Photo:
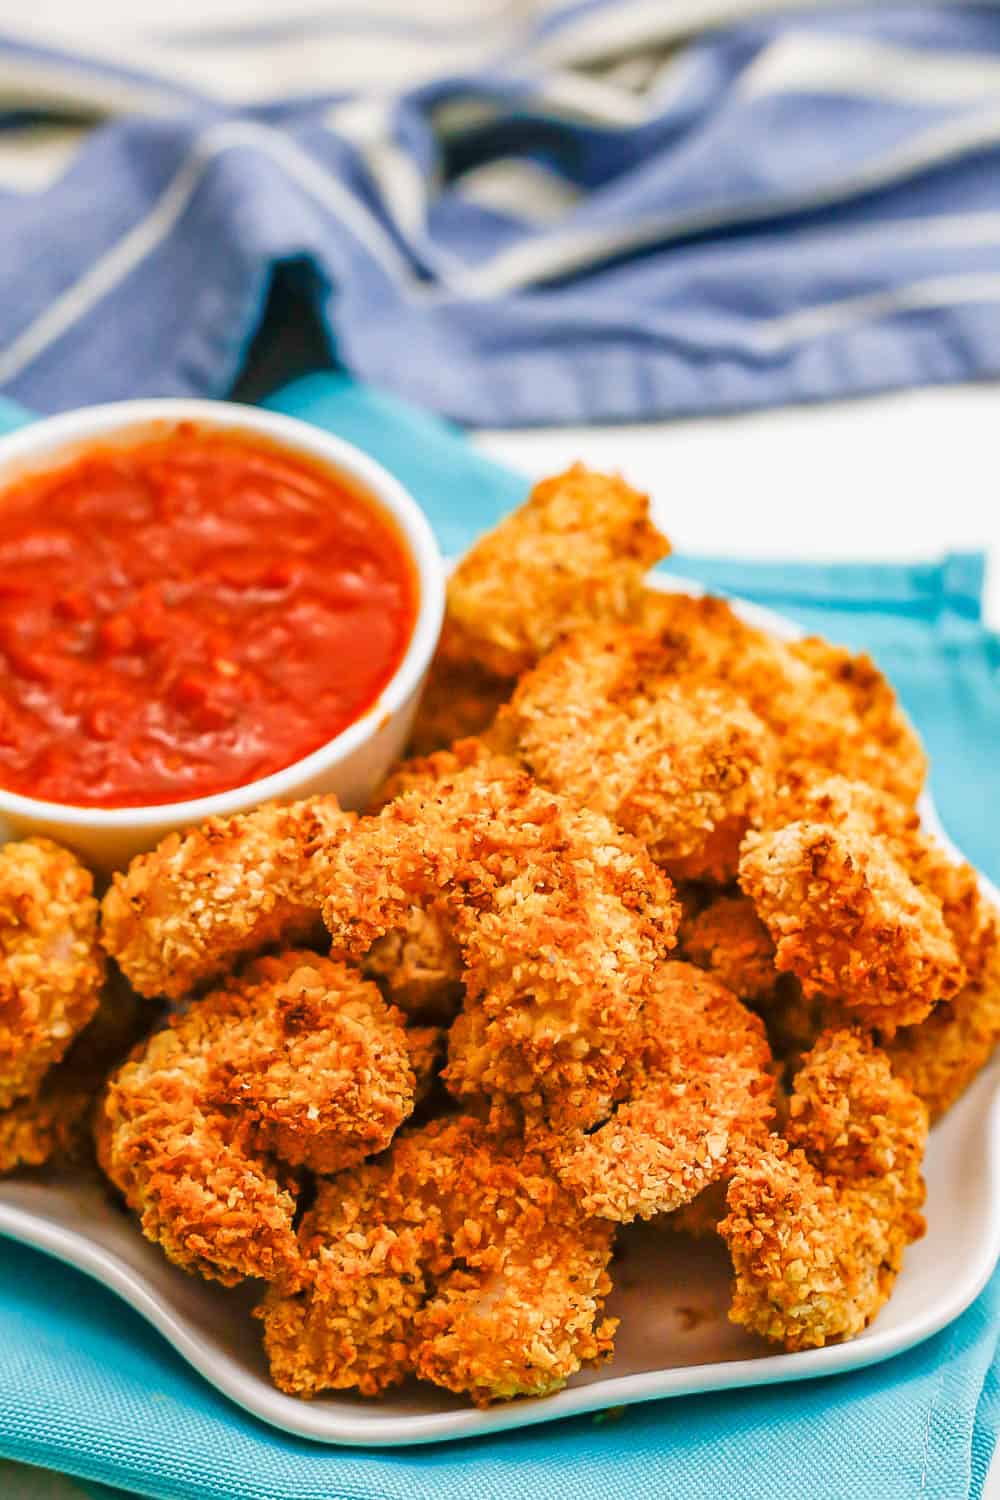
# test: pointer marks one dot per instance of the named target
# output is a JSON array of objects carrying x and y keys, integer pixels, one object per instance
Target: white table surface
[{"x": 902, "y": 476}]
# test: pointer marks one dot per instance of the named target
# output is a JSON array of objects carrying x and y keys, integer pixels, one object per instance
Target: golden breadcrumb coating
[
  {"x": 54, "y": 1125},
  {"x": 421, "y": 773},
  {"x": 690, "y": 1100},
  {"x": 882, "y": 748},
  {"x": 298, "y": 1061},
  {"x": 848, "y": 922},
  {"x": 683, "y": 765},
  {"x": 825, "y": 706},
  {"x": 425, "y": 1049},
  {"x": 728, "y": 939},
  {"x": 575, "y": 551},
  {"x": 459, "y": 699},
  {"x": 941, "y": 1054},
  {"x": 940, "y": 1057},
  {"x": 455, "y": 1257},
  {"x": 186, "y": 912},
  {"x": 419, "y": 964},
  {"x": 561, "y": 919},
  {"x": 702, "y": 1216},
  {"x": 818, "y": 798},
  {"x": 51, "y": 966},
  {"x": 818, "y": 1223}
]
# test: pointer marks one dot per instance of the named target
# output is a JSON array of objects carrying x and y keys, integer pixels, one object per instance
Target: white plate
[{"x": 671, "y": 1294}]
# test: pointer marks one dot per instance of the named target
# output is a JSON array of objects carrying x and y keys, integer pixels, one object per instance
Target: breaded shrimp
[
  {"x": 421, "y": 773},
  {"x": 456, "y": 1257},
  {"x": 728, "y": 939},
  {"x": 941, "y": 1054},
  {"x": 299, "y": 1062},
  {"x": 815, "y": 797},
  {"x": 575, "y": 551},
  {"x": 54, "y": 1124},
  {"x": 689, "y": 773},
  {"x": 684, "y": 766},
  {"x": 184, "y": 914},
  {"x": 881, "y": 746},
  {"x": 51, "y": 966},
  {"x": 818, "y": 1222},
  {"x": 419, "y": 963},
  {"x": 826, "y": 707},
  {"x": 940, "y": 1057},
  {"x": 561, "y": 920},
  {"x": 849, "y": 923},
  {"x": 459, "y": 699},
  {"x": 690, "y": 1101}
]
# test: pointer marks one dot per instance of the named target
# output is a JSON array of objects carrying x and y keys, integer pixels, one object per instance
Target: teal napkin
[{"x": 88, "y": 1388}]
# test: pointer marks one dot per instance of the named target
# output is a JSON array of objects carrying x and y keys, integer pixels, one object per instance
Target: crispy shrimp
[
  {"x": 848, "y": 922},
  {"x": 826, "y": 707},
  {"x": 560, "y": 917},
  {"x": 728, "y": 939},
  {"x": 299, "y": 1062},
  {"x": 940, "y": 1057},
  {"x": 942, "y": 1052},
  {"x": 460, "y": 699},
  {"x": 690, "y": 1101},
  {"x": 880, "y": 745},
  {"x": 422, "y": 773},
  {"x": 54, "y": 1124},
  {"x": 576, "y": 551},
  {"x": 456, "y": 1257},
  {"x": 419, "y": 963},
  {"x": 51, "y": 967},
  {"x": 953, "y": 884},
  {"x": 682, "y": 764},
  {"x": 183, "y": 914},
  {"x": 818, "y": 1222}
]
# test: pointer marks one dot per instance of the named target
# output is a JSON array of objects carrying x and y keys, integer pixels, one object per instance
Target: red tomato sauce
[{"x": 188, "y": 615}]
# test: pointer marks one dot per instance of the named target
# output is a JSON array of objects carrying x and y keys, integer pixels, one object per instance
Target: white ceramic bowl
[{"x": 351, "y": 764}]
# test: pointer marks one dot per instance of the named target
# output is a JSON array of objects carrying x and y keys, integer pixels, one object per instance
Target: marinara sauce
[{"x": 187, "y": 615}]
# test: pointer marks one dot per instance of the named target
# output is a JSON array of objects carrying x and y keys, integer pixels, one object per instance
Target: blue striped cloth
[{"x": 598, "y": 213}]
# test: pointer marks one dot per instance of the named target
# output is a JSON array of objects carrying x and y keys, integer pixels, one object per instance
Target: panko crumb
[
  {"x": 849, "y": 923},
  {"x": 683, "y": 764},
  {"x": 818, "y": 1221},
  {"x": 456, "y": 1257},
  {"x": 54, "y": 1124},
  {"x": 577, "y": 550},
  {"x": 560, "y": 917},
  {"x": 459, "y": 700},
  {"x": 728, "y": 939},
  {"x": 298, "y": 1062},
  {"x": 51, "y": 965},
  {"x": 698, "y": 1091},
  {"x": 185, "y": 913},
  {"x": 827, "y": 708}
]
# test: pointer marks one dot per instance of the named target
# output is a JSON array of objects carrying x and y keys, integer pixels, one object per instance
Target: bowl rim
[{"x": 69, "y": 430}]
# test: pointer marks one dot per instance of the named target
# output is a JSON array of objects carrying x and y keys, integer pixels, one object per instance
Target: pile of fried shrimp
[{"x": 645, "y": 927}]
